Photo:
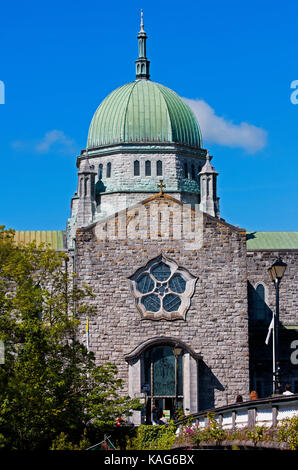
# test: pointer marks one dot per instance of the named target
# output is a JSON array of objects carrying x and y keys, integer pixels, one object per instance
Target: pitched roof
[
  {"x": 51, "y": 238},
  {"x": 272, "y": 240}
]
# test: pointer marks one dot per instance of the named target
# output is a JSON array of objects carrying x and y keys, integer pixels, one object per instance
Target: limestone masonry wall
[
  {"x": 216, "y": 324},
  {"x": 258, "y": 263}
]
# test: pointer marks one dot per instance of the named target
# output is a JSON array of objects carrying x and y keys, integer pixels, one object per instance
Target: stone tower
[{"x": 141, "y": 133}]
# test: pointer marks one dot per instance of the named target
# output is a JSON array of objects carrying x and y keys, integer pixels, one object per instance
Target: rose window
[{"x": 162, "y": 289}]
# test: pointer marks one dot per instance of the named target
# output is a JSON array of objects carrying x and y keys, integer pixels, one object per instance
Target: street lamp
[
  {"x": 177, "y": 351},
  {"x": 276, "y": 272}
]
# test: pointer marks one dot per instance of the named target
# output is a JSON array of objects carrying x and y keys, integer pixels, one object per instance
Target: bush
[
  {"x": 61, "y": 442},
  {"x": 153, "y": 437},
  {"x": 288, "y": 432}
]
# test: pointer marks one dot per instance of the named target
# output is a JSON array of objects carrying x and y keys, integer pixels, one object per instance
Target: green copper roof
[
  {"x": 52, "y": 238},
  {"x": 272, "y": 240},
  {"x": 143, "y": 111}
]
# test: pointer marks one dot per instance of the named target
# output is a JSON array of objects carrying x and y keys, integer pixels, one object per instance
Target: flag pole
[{"x": 87, "y": 334}]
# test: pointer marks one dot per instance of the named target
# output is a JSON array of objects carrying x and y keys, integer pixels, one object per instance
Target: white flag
[{"x": 269, "y": 330}]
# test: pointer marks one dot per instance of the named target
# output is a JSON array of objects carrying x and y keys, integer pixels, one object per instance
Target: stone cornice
[{"x": 141, "y": 147}]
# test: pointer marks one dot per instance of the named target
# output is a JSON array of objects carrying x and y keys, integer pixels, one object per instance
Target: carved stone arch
[{"x": 158, "y": 340}]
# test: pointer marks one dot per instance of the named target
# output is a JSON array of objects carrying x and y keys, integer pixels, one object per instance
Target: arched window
[
  {"x": 136, "y": 168},
  {"x": 100, "y": 169},
  {"x": 147, "y": 168},
  {"x": 258, "y": 309},
  {"x": 185, "y": 170},
  {"x": 260, "y": 306},
  {"x": 159, "y": 168},
  {"x": 109, "y": 168},
  {"x": 193, "y": 172},
  {"x": 86, "y": 186}
]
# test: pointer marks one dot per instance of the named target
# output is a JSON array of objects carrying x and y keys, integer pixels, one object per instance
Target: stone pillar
[
  {"x": 190, "y": 383},
  {"x": 134, "y": 386}
]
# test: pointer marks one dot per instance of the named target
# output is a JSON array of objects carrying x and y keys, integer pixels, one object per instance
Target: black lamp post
[
  {"x": 177, "y": 351},
  {"x": 276, "y": 272}
]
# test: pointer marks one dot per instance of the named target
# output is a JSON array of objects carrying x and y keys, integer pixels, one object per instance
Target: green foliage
[
  {"x": 213, "y": 432},
  {"x": 61, "y": 442},
  {"x": 154, "y": 437},
  {"x": 288, "y": 432},
  {"x": 49, "y": 384},
  {"x": 257, "y": 434}
]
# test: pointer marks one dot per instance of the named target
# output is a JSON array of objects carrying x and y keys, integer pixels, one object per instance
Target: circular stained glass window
[
  {"x": 145, "y": 284},
  {"x": 161, "y": 272},
  {"x": 177, "y": 284},
  {"x": 162, "y": 289},
  {"x": 171, "y": 302},
  {"x": 151, "y": 302}
]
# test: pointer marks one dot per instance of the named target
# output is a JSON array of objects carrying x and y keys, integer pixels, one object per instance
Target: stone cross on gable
[{"x": 161, "y": 186}]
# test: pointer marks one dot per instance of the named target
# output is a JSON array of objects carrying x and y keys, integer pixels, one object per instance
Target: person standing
[{"x": 288, "y": 390}]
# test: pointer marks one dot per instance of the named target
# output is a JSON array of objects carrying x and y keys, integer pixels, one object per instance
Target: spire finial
[
  {"x": 142, "y": 22},
  {"x": 142, "y": 64}
]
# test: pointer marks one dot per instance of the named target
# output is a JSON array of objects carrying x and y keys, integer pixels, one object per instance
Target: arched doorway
[
  {"x": 163, "y": 381},
  {"x": 163, "y": 371}
]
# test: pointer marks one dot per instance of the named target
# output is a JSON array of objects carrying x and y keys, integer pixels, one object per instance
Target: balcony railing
[{"x": 266, "y": 411}]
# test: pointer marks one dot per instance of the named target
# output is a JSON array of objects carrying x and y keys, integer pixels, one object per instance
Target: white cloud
[
  {"x": 218, "y": 130},
  {"x": 55, "y": 140}
]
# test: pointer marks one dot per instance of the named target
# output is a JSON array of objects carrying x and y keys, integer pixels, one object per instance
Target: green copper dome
[{"x": 143, "y": 111}]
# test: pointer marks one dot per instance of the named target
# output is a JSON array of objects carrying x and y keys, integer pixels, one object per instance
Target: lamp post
[
  {"x": 177, "y": 351},
  {"x": 276, "y": 272}
]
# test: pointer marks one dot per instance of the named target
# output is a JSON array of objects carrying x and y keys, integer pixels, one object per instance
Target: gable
[{"x": 161, "y": 217}]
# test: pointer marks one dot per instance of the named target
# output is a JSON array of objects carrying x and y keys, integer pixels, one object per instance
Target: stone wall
[
  {"x": 216, "y": 324},
  {"x": 261, "y": 354},
  {"x": 122, "y": 172},
  {"x": 258, "y": 263}
]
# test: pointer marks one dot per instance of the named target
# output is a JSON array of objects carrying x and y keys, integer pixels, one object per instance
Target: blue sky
[{"x": 234, "y": 60}]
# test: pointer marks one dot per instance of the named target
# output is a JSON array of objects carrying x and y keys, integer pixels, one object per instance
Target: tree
[{"x": 49, "y": 383}]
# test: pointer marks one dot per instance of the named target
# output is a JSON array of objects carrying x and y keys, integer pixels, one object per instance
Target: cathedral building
[{"x": 183, "y": 299}]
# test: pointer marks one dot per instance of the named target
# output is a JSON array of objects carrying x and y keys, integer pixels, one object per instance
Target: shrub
[
  {"x": 154, "y": 437},
  {"x": 62, "y": 442},
  {"x": 288, "y": 432}
]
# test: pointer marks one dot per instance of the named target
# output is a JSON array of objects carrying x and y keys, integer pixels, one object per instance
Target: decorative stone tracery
[{"x": 162, "y": 289}]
